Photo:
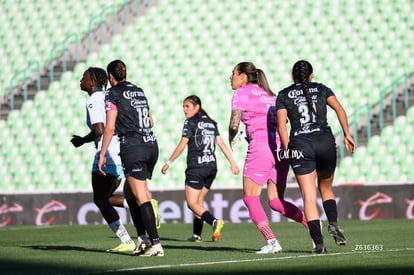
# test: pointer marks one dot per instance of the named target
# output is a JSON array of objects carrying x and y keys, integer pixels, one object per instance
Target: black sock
[
  {"x": 136, "y": 216},
  {"x": 315, "y": 231},
  {"x": 208, "y": 218},
  {"x": 148, "y": 218},
  {"x": 331, "y": 211},
  {"x": 197, "y": 226}
]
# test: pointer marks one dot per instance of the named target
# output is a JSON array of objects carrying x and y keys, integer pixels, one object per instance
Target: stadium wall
[{"x": 354, "y": 202}]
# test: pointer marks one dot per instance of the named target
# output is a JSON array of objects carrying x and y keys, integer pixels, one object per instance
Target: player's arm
[
  {"x": 333, "y": 102},
  {"x": 79, "y": 141},
  {"x": 98, "y": 130},
  {"x": 177, "y": 152},
  {"x": 107, "y": 137},
  {"x": 235, "y": 119},
  {"x": 282, "y": 128},
  {"x": 151, "y": 119},
  {"x": 234, "y": 167}
]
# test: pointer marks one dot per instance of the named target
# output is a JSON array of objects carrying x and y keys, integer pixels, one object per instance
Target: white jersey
[{"x": 95, "y": 113}]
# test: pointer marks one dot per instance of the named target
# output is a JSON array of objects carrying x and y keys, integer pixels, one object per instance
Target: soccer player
[
  {"x": 253, "y": 103},
  {"x": 311, "y": 145},
  {"x": 200, "y": 133},
  {"x": 128, "y": 114},
  {"x": 94, "y": 82}
]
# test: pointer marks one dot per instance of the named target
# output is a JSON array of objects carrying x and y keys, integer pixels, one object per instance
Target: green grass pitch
[{"x": 374, "y": 247}]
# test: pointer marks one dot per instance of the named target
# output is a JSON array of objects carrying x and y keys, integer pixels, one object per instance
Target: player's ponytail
[
  {"x": 301, "y": 72},
  {"x": 254, "y": 75},
  {"x": 117, "y": 69}
]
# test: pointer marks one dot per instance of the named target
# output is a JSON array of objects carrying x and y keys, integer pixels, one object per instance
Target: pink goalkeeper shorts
[{"x": 260, "y": 165}]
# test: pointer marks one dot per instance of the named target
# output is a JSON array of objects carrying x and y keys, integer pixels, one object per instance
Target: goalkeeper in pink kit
[{"x": 254, "y": 104}]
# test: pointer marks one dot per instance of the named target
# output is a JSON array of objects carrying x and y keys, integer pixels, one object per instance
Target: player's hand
[
  {"x": 235, "y": 169},
  {"x": 349, "y": 143},
  {"x": 165, "y": 168},
  {"x": 77, "y": 140},
  {"x": 102, "y": 163}
]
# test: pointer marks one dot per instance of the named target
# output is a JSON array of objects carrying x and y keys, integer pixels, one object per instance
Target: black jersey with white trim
[
  {"x": 303, "y": 119},
  {"x": 202, "y": 133},
  {"x": 133, "y": 119}
]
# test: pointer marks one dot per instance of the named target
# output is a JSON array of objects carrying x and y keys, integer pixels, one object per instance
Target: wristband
[{"x": 168, "y": 163}]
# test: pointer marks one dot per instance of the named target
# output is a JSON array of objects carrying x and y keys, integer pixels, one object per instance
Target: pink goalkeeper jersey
[{"x": 259, "y": 112}]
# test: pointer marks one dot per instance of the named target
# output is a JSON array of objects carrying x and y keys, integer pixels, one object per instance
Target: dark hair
[
  {"x": 254, "y": 75},
  {"x": 117, "y": 69},
  {"x": 98, "y": 75},
  {"x": 197, "y": 101},
  {"x": 301, "y": 72}
]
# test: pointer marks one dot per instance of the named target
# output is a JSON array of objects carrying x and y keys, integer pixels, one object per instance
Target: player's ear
[{"x": 243, "y": 77}]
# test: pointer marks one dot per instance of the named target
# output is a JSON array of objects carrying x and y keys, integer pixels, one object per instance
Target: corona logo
[
  {"x": 409, "y": 213},
  {"x": 4, "y": 209},
  {"x": 52, "y": 206},
  {"x": 377, "y": 199}
]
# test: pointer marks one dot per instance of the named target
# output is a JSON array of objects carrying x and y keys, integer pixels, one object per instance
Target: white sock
[
  {"x": 121, "y": 232},
  {"x": 272, "y": 241}
]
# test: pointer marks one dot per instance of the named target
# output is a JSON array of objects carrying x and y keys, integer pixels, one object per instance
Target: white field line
[{"x": 252, "y": 260}]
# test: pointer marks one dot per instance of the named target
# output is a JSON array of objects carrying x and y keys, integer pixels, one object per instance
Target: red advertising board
[{"x": 354, "y": 202}]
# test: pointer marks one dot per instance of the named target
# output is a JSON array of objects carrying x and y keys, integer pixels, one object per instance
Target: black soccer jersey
[
  {"x": 303, "y": 119},
  {"x": 201, "y": 132},
  {"x": 133, "y": 118}
]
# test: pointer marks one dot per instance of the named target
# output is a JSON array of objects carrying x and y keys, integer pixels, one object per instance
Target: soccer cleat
[
  {"x": 270, "y": 248},
  {"x": 122, "y": 248},
  {"x": 142, "y": 244},
  {"x": 337, "y": 234},
  {"x": 320, "y": 249},
  {"x": 154, "y": 204},
  {"x": 155, "y": 250},
  {"x": 217, "y": 226},
  {"x": 194, "y": 238}
]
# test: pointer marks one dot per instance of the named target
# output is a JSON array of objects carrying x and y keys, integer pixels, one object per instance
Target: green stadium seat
[
  {"x": 373, "y": 173},
  {"x": 410, "y": 115},
  {"x": 49, "y": 29},
  {"x": 183, "y": 47}
]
